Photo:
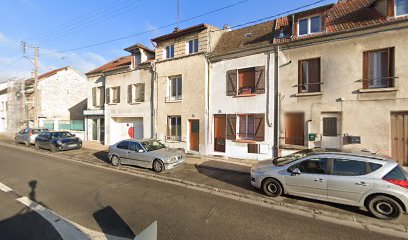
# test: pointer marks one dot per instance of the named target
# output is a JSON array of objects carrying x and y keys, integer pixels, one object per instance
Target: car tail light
[
  {"x": 401, "y": 183},
  {"x": 31, "y": 132}
]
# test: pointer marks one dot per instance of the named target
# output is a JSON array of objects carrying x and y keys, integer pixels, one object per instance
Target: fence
[{"x": 70, "y": 125}]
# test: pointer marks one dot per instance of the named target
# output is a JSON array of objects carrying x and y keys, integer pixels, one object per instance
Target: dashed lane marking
[{"x": 4, "y": 188}]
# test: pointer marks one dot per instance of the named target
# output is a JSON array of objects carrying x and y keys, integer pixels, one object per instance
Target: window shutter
[
  {"x": 142, "y": 92},
  {"x": 259, "y": 127},
  {"x": 391, "y": 68},
  {"x": 366, "y": 69},
  {"x": 231, "y": 127},
  {"x": 260, "y": 80},
  {"x": 118, "y": 95},
  {"x": 314, "y": 75},
  {"x": 94, "y": 96},
  {"x": 130, "y": 98},
  {"x": 390, "y": 8},
  {"x": 323, "y": 24},
  {"x": 101, "y": 96},
  {"x": 107, "y": 95},
  {"x": 232, "y": 82},
  {"x": 300, "y": 76}
]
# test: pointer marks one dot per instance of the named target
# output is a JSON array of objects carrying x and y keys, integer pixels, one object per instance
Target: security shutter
[
  {"x": 94, "y": 96},
  {"x": 107, "y": 95},
  {"x": 259, "y": 127},
  {"x": 231, "y": 127},
  {"x": 232, "y": 83},
  {"x": 130, "y": 94},
  {"x": 260, "y": 80}
]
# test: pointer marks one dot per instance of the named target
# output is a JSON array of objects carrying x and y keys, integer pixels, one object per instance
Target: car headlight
[{"x": 59, "y": 142}]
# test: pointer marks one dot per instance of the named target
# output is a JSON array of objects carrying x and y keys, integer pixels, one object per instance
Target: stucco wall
[
  {"x": 220, "y": 103},
  {"x": 362, "y": 114},
  {"x": 3, "y": 107}
]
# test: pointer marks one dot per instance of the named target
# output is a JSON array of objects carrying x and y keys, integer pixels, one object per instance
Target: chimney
[
  {"x": 176, "y": 29},
  {"x": 227, "y": 28}
]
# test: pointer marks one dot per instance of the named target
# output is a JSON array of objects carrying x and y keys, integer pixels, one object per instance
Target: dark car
[{"x": 57, "y": 141}]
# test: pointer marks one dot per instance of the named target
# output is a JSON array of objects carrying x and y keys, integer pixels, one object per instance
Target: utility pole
[
  {"x": 24, "y": 45},
  {"x": 178, "y": 13}
]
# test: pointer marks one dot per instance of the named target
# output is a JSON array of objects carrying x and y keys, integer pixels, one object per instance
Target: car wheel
[
  {"x": 54, "y": 148},
  {"x": 384, "y": 207},
  {"x": 36, "y": 145},
  {"x": 27, "y": 143},
  {"x": 272, "y": 188},
  {"x": 115, "y": 160},
  {"x": 158, "y": 166}
]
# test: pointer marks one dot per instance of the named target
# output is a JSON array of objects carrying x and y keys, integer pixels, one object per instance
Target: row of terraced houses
[{"x": 335, "y": 76}]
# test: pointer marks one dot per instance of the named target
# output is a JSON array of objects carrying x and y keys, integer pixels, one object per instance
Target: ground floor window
[
  {"x": 174, "y": 128},
  {"x": 251, "y": 127}
]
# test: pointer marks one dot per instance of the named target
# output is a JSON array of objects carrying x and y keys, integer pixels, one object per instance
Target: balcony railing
[
  {"x": 382, "y": 82},
  {"x": 174, "y": 98}
]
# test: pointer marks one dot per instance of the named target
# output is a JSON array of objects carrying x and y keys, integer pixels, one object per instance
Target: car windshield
[
  {"x": 282, "y": 161},
  {"x": 152, "y": 145},
  {"x": 61, "y": 134}
]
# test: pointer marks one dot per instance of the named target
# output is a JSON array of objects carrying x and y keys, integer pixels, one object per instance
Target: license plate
[{"x": 72, "y": 145}]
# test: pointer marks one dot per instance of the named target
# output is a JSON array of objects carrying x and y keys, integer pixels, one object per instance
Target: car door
[
  {"x": 312, "y": 180},
  {"x": 45, "y": 141},
  {"x": 138, "y": 156},
  {"x": 348, "y": 182},
  {"x": 122, "y": 150},
  {"x": 19, "y": 136}
]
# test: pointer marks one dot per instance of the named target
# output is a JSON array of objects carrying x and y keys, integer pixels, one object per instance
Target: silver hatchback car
[
  {"x": 377, "y": 184},
  {"x": 145, "y": 153},
  {"x": 28, "y": 135}
]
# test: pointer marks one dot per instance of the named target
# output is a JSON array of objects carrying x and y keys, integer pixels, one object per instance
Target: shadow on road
[
  {"x": 102, "y": 155},
  {"x": 112, "y": 224}
]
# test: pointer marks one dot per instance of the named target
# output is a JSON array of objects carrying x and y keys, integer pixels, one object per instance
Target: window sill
[
  {"x": 112, "y": 104},
  {"x": 173, "y": 101},
  {"x": 373, "y": 90},
  {"x": 245, "y": 95},
  {"x": 245, "y": 141},
  {"x": 308, "y": 94},
  {"x": 173, "y": 141},
  {"x": 294, "y": 147},
  {"x": 135, "y": 103}
]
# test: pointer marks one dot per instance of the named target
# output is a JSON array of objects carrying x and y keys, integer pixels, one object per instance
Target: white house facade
[{"x": 3, "y": 107}]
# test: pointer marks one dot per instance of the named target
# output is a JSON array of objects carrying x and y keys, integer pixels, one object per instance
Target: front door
[
  {"x": 220, "y": 124},
  {"x": 331, "y": 130},
  {"x": 295, "y": 129},
  {"x": 194, "y": 135},
  {"x": 399, "y": 137}
]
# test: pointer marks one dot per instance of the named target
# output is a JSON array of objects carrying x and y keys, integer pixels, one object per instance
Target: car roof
[
  {"x": 350, "y": 152},
  {"x": 140, "y": 140}
]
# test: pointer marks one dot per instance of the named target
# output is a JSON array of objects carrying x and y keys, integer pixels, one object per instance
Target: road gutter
[{"x": 327, "y": 216}]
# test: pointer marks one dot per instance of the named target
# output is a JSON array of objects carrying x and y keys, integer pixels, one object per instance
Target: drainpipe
[
  {"x": 207, "y": 110},
  {"x": 276, "y": 100},
  {"x": 152, "y": 113}
]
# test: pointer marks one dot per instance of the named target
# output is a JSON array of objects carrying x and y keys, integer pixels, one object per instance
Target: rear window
[
  {"x": 123, "y": 145},
  {"x": 397, "y": 174}
]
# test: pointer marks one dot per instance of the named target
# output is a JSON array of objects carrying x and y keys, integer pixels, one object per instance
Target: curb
[{"x": 342, "y": 219}]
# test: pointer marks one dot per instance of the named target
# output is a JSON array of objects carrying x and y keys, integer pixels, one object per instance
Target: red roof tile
[
  {"x": 112, "y": 65},
  {"x": 178, "y": 32}
]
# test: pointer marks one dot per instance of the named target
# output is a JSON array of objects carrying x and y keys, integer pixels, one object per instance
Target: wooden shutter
[
  {"x": 314, "y": 75},
  {"x": 101, "y": 96},
  {"x": 300, "y": 76},
  {"x": 259, "y": 127},
  {"x": 94, "y": 96},
  {"x": 366, "y": 69},
  {"x": 107, "y": 95},
  {"x": 232, "y": 82},
  {"x": 118, "y": 95},
  {"x": 260, "y": 80},
  {"x": 130, "y": 97},
  {"x": 391, "y": 67},
  {"x": 142, "y": 92},
  {"x": 231, "y": 127},
  {"x": 390, "y": 8}
]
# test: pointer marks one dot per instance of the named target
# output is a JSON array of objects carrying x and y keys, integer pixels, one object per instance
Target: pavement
[{"x": 118, "y": 203}]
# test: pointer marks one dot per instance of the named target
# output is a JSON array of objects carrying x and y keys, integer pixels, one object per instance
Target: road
[{"x": 122, "y": 205}]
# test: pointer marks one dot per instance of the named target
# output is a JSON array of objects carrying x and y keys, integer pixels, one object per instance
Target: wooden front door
[
  {"x": 295, "y": 129},
  {"x": 194, "y": 135},
  {"x": 220, "y": 131},
  {"x": 399, "y": 137}
]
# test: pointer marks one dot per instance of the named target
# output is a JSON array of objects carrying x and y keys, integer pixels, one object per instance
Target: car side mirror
[
  {"x": 141, "y": 151},
  {"x": 73, "y": 135},
  {"x": 295, "y": 172}
]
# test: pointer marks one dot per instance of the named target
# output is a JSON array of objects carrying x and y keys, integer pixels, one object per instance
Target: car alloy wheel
[
  {"x": 36, "y": 145},
  {"x": 158, "y": 166},
  {"x": 384, "y": 207},
  {"x": 272, "y": 187},
  {"x": 115, "y": 160}
]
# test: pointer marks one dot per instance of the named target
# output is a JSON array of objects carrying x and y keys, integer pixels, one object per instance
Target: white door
[
  {"x": 331, "y": 130},
  {"x": 138, "y": 128}
]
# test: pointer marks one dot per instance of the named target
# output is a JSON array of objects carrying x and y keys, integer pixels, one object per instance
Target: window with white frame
[
  {"x": 170, "y": 52},
  {"x": 136, "y": 93},
  {"x": 115, "y": 95},
  {"x": 175, "y": 88},
  {"x": 401, "y": 7},
  {"x": 309, "y": 25},
  {"x": 174, "y": 128},
  {"x": 193, "y": 46}
]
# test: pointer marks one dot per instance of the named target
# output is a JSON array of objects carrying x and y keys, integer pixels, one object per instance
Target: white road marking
[
  {"x": 4, "y": 188},
  {"x": 70, "y": 230}
]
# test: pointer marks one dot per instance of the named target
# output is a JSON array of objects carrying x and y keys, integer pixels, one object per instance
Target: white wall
[{"x": 3, "y": 104}]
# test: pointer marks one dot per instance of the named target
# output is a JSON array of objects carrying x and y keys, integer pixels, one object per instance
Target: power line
[
  {"x": 10, "y": 64},
  {"x": 152, "y": 30}
]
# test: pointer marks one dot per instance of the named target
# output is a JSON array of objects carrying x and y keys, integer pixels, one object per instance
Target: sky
[{"x": 56, "y": 26}]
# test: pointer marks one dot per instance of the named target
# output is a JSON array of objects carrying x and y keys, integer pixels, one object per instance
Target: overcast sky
[{"x": 66, "y": 24}]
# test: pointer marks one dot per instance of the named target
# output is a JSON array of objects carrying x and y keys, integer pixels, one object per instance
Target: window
[
  {"x": 310, "y": 25},
  {"x": 123, "y": 145},
  {"x": 193, "y": 46},
  {"x": 134, "y": 146},
  {"x": 174, "y": 128},
  {"x": 170, "y": 52},
  {"x": 309, "y": 76},
  {"x": 294, "y": 129},
  {"x": 136, "y": 93},
  {"x": 252, "y": 127},
  {"x": 330, "y": 127},
  {"x": 98, "y": 95},
  {"x": 246, "y": 81},
  {"x": 312, "y": 166},
  {"x": 175, "y": 88},
  {"x": 401, "y": 7},
  {"x": 378, "y": 68},
  {"x": 397, "y": 174},
  {"x": 116, "y": 95},
  {"x": 343, "y": 167}
]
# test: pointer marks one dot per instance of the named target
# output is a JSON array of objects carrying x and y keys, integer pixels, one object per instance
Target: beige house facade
[{"x": 181, "y": 86}]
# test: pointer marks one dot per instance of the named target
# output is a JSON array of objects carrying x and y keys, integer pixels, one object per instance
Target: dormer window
[
  {"x": 401, "y": 7},
  {"x": 310, "y": 25},
  {"x": 170, "y": 52}
]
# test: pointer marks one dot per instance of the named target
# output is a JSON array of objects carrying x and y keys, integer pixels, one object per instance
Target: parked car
[
  {"x": 57, "y": 141},
  {"x": 375, "y": 183},
  {"x": 145, "y": 153},
  {"x": 28, "y": 135}
]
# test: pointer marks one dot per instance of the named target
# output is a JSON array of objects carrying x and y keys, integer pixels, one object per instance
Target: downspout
[
  {"x": 152, "y": 113},
  {"x": 154, "y": 110},
  {"x": 276, "y": 104},
  {"x": 207, "y": 111}
]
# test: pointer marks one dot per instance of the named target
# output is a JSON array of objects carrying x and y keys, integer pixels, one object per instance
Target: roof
[
  {"x": 47, "y": 75},
  {"x": 177, "y": 32},
  {"x": 139, "y": 45},
  {"x": 254, "y": 36},
  {"x": 118, "y": 63}
]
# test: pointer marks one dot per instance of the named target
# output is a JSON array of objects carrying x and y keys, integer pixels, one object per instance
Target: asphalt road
[{"x": 123, "y": 205}]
